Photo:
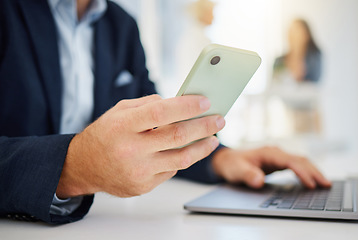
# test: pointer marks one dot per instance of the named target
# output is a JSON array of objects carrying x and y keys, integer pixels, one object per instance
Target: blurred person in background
[
  {"x": 302, "y": 62},
  {"x": 295, "y": 78}
]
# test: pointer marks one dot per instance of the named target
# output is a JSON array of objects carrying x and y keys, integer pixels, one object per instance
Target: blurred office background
[{"x": 174, "y": 31}]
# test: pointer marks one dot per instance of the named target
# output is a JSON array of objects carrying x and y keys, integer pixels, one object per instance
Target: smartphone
[{"x": 221, "y": 74}]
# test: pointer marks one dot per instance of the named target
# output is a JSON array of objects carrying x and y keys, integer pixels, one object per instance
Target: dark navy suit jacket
[{"x": 32, "y": 153}]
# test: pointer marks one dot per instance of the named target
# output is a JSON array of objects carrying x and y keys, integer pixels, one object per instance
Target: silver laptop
[{"x": 290, "y": 200}]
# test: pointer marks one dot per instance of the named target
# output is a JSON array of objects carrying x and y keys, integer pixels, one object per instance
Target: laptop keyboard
[{"x": 299, "y": 198}]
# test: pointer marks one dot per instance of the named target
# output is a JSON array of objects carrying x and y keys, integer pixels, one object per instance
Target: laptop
[{"x": 282, "y": 200}]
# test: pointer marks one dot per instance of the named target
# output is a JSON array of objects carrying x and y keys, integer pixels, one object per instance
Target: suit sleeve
[{"x": 30, "y": 169}]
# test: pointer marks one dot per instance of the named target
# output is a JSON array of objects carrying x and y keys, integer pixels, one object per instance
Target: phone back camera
[{"x": 215, "y": 60}]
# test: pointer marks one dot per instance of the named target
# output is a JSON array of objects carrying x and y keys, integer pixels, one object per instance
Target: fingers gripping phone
[{"x": 220, "y": 74}]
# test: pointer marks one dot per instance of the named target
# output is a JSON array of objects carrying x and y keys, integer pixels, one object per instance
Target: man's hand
[
  {"x": 134, "y": 146},
  {"x": 250, "y": 167}
]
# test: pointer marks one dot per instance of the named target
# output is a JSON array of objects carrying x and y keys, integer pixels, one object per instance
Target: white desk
[{"x": 160, "y": 215}]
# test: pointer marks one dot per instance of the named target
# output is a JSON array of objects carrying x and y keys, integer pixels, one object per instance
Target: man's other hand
[{"x": 250, "y": 167}]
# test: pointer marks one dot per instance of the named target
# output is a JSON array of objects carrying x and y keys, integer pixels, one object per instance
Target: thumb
[{"x": 252, "y": 175}]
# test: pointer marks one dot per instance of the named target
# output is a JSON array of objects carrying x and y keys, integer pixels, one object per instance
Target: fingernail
[
  {"x": 220, "y": 122},
  {"x": 204, "y": 104}
]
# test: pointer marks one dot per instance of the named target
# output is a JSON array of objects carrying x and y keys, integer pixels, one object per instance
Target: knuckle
[
  {"x": 179, "y": 135},
  {"x": 275, "y": 149},
  {"x": 192, "y": 108},
  {"x": 157, "y": 113},
  {"x": 271, "y": 149},
  {"x": 206, "y": 125},
  {"x": 156, "y": 97},
  {"x": 264, "y": 149},
  {"x": 120, "y": 104},
  {"x": 123, "y": 102},
  {"x": 302, "y": 160}
]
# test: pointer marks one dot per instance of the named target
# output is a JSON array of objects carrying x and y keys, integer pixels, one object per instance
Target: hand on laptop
[{"x": 250, "y": 167}]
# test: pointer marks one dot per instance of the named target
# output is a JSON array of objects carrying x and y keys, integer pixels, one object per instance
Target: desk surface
[{"x": 160, "y": 215}]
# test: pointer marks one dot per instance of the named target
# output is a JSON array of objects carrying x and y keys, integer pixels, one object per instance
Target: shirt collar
[{"x": 95, "y": 11}]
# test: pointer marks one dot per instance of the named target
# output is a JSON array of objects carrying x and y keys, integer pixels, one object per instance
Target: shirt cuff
[{"x": 64, "y": 207}]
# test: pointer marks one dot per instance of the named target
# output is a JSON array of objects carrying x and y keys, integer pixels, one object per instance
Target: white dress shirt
[{"x": 76, "y": 47}]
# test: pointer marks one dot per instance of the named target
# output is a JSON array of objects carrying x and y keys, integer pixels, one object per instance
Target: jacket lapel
[
  {"x": 103, "y": 66},
  {"x": 43, "y": 34}
]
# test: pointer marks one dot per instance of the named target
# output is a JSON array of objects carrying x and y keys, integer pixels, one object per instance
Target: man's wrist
[
  {"x": 217, "y": 160},
  {"x": 73, "y": 181}
]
